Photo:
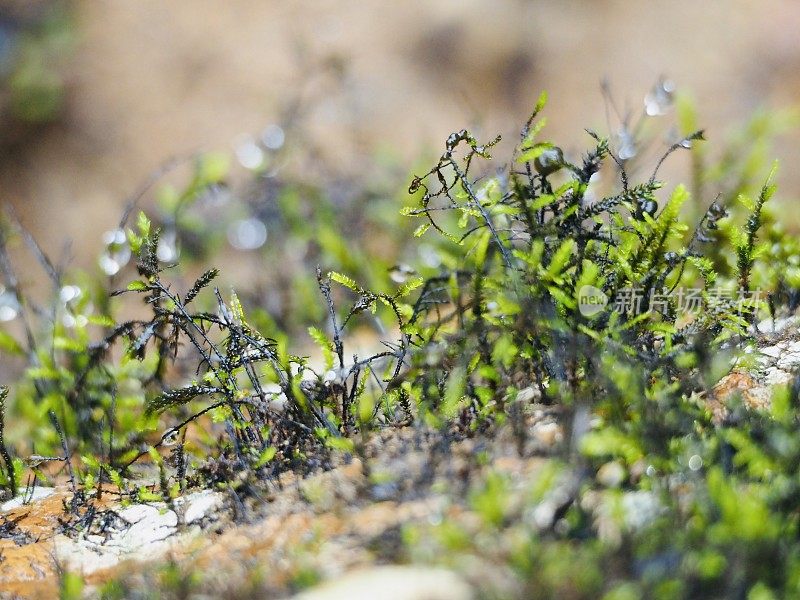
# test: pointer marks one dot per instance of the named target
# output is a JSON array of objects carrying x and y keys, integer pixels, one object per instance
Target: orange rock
[{"x": 738, "y": 383}]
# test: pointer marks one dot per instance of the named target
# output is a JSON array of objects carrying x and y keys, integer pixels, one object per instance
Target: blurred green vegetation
[
  {"x": 35, "y": 41},
  {"x": 475, "y": 289}
]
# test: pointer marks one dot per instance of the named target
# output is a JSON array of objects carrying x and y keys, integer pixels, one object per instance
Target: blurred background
[{"x": 100, "y": 97}]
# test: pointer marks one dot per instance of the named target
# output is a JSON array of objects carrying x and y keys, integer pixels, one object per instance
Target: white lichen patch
[
  {"x": 770, "y": 327},
  {"x": 143, "y": 532},
  {"x": 777, "y": 361},
  {"x": 26, "y": 497}
]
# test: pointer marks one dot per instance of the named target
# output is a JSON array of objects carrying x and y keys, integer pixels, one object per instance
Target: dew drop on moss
[
  {"x": 117, "y": 253},
  {"x": 273, "y": 137},
  {"x": 249, "y": 153},
  {"x": 660, "y": 98},
  {"x": 167, "y": 250},
  {"x": 627, "y": 145},
  {"x": 247, "y": 234},
  {"x": 9, "y": 306},
  {"x": 400, "y": 273},
  {"x": 68, "y": 293}
]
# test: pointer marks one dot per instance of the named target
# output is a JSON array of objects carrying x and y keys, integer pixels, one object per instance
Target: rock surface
[
  {"x": 393, "y": 583},
  {"x": 334, "y": 527},
  {"x": 36, "y": 542}
]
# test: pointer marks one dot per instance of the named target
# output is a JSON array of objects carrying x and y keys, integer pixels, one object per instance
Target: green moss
[{"x": 526, "y": 276}]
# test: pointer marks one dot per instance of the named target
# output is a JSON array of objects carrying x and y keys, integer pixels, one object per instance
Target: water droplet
[
  {"x": 549, "y": 161},
  {"x": 247, "y": 234},
  {"x": 590, "y": 195},
  {"x": 429, "y": 256},
  {"x": 660, "y": 98},
  {"x": 69, "y": 293},
  {"x": 108, "y": 265},
  {"x": 114, "y": 238},
  {"x": 273, "y": 137},
  {"x": 695, "y": 462},
  {"x": 167, "y": 250},
  {"x": 249, "y": 153},
  {"x": 117, "y": 253},
  {"x": 9, "y": 307},
  {"x": 626, "y": 143},
  {"x": 400, "y": 273}
]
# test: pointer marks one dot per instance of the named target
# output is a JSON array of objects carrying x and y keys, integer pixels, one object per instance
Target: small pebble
[{"x": 611, "y": 474}]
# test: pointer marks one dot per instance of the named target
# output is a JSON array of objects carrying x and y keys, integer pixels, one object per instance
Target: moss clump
[{"x": 547, "y": 287}]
